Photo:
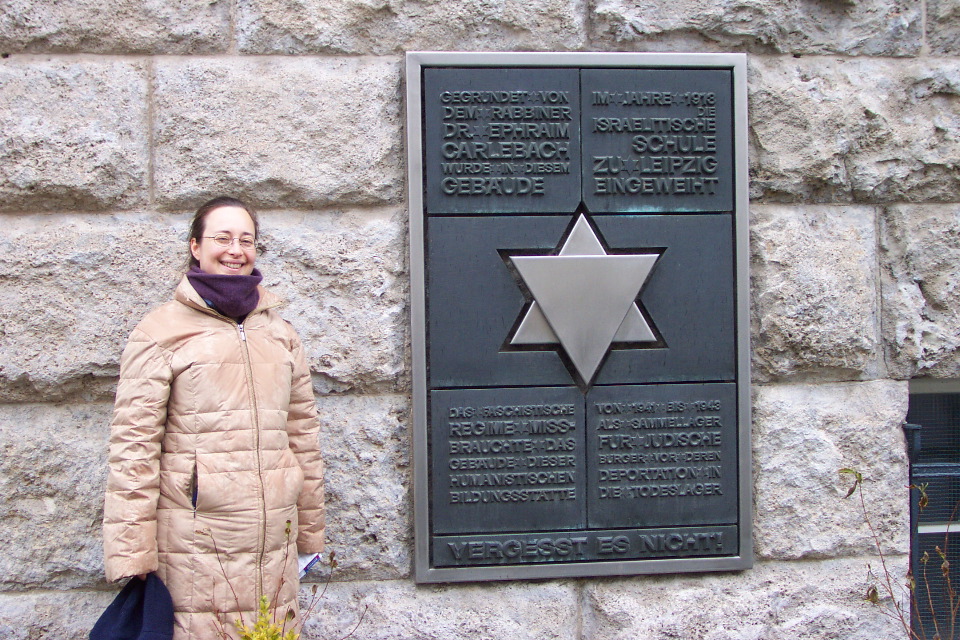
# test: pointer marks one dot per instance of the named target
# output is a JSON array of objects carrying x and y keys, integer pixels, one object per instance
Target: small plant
[
  {"x": 905, "y": 600},
  {"x": 268, "y": 626},
  {"x": 265, "y": 628}
]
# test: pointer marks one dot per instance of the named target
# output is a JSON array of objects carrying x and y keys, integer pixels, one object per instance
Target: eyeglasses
[{"x": 247, "y": 243}]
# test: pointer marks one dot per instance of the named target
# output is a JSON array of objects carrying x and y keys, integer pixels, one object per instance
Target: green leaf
[{"x": 857, "y": 480}]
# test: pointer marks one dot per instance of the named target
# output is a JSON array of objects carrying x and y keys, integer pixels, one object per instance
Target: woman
[{"x": 215, "y": 478}]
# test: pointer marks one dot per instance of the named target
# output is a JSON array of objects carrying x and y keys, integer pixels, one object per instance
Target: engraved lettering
[
  {"x": 669, "y": 143},
  {"x": 520, "y": 495},
  {"x": 505, "y": 144},
  {"x": 607, "y": 545},
  {"x": 601, "y": 545},
  {"x": 493, "y": 186},
  {"x": 669, "y": 448},
  {"x": 673, "y": 542},
  {"x": 511, "y": 453},
  {"x": 534, "y": 548},
  {"x": 658, "y": 186}
]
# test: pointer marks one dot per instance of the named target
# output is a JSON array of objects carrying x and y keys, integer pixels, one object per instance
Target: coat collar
[{"x": 187, "y": 295}]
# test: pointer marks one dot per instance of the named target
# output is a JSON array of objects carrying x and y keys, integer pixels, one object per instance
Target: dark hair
[{"x": 199, "y": 223}]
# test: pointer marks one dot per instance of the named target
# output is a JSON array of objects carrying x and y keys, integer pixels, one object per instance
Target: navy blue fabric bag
[{"x": 143, "y": 610}]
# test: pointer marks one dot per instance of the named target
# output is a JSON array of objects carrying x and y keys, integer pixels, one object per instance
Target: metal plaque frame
[{"x": 416, "y": 62}]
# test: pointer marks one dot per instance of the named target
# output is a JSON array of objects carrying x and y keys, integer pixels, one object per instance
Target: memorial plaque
[{"x": 580, "y": 316}]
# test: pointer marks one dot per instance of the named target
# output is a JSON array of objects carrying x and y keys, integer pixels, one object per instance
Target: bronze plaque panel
[
  {"x": 508, "y": 460},
  {"x": 657, "y": 140},
  {"x": 501, "y": 140}
]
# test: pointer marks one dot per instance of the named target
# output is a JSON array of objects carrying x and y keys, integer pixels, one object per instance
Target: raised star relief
[{"x": 584, "y": 299}]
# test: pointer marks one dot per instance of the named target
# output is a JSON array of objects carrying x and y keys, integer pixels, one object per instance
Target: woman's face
[{"x": 231, "y": 260}]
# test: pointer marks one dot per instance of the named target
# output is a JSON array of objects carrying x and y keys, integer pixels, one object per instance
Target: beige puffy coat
[{"x": 223, "y": 412}]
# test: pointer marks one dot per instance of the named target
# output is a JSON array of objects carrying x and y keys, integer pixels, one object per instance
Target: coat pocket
[{"x": 194, "y": 487}]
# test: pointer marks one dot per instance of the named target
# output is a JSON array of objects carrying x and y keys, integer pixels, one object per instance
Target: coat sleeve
[
  {"x": 133, "y": 480},
  {"x": 303, "y": 430}
]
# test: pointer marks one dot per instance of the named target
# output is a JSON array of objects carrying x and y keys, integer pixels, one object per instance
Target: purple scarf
[{"x": 233, "y": 296}]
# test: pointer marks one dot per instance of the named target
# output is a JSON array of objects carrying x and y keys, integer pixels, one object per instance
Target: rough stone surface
[
  {"x": 343, "y": 276},
  {"x": 943, "y": 26},
  {"x": 105, "y": 26},
  {"x": 803, "y": 435},
  {"x": 855, "y": 130},
  {"x": 504, "y": 611},
  {"x": 870, "y": 27},
  {"x": 814, "y": 292},
  {"x": 52, "y": 475},
  {"x": 51, "y": 615},
  {"x": 366, "y": 447},
  {"x": 72, "y": 287},
  {"x": 773, "y": 601},
  {"x": 97, "y": 275},
  {"x": 395, "y": 26},
  {"x": 73, "y": 134},
  {"x": 921, "y": 290},
  {"x": 278, "y": 132}
]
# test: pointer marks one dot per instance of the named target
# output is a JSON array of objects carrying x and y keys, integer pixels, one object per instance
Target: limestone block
[
  {"x": 803, "y": 435},
  {"x": 366, "y": 447},
  {"x": 394, "y": 26},
  {"x": 501, "y": 611},
  {"x": 921, "y": 290},
  {"x": 860, "y": 130},
  {"x": 64, "y": 615},
  {"x": 73, "y": 134},
  {"x": 773, "y": 601},
  {"x": 105, "y": 26},
  {"x": 72, "y": 287},
  {"x": 343, "y": 276},
  {"x": 278, "y": 132},
  {"x": 52, "y": 478},
  {"x": 97, "y": 275},
  {"x": 943, "y": 26},
  {"x": 814, "y": 292},
  {"x": 872, "y": 27}
]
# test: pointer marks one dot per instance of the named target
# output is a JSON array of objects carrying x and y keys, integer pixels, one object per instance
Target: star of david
[{"x": 584, "y": 299}]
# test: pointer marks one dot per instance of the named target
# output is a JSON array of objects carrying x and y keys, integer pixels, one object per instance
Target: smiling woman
[
  {"x": 225, "y": 242},
  {"x": 216, "y": 479}
]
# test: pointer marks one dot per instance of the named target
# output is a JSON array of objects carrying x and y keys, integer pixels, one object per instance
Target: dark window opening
[{"x": 933, "y": 433}]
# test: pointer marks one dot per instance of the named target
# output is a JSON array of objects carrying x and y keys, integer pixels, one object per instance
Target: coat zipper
[
  {"x": 245, "y": 352},
  {"x": 261, "y": 532}
]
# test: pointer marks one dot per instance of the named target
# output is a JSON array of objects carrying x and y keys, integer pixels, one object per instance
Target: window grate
[
  {"x": 938, "y": 414},
  {"x": 936, "y": 463},
  {"x": 943, "y": 493}
]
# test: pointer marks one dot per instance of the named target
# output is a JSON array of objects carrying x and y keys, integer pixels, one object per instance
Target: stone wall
[{"x": 117, "y": 118}]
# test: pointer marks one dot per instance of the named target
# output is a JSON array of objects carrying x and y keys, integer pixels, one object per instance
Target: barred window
[{"x": 933, "y": 432}]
